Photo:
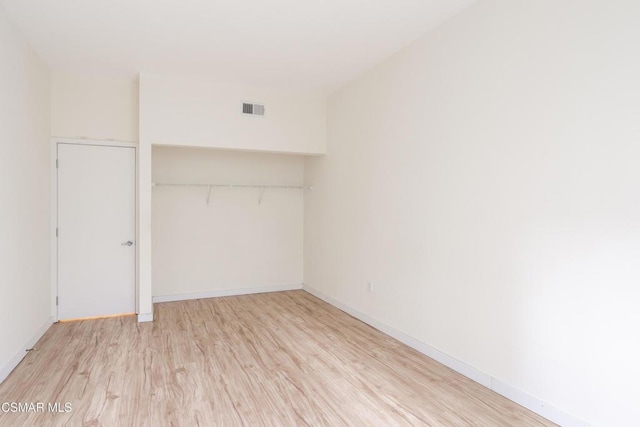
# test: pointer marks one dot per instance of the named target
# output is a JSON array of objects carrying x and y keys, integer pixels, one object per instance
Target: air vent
[{"x": 252, "y": 109}]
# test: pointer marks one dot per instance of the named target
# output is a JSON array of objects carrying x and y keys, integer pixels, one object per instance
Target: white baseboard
[
  {"x": 145, "y": 317},
  {"x": 227, "y": 293},
  {"x": 530, "y": 402},
  {"x": 15, "y": 360},
  {"x": 536, "y": 405}
]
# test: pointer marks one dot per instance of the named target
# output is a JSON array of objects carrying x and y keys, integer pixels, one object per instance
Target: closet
[
  {"x": 222, "y": 192},
  {"x": 225, "y": 222}
]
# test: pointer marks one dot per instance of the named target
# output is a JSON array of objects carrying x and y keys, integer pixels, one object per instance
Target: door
[{"x": 96, "y": 230}]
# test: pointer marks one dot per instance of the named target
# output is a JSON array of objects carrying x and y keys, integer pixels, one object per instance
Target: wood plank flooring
[{"x": 278, "y": 359}]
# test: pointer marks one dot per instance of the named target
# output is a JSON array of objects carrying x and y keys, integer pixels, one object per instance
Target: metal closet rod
[{"x": 300, "y": 187}]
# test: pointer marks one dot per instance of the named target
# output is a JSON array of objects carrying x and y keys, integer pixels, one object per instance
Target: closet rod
[{"x": 300, "y": 187}]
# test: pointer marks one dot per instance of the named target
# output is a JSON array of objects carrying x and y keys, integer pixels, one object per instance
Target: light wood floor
[{"x": 271, "y": 359}]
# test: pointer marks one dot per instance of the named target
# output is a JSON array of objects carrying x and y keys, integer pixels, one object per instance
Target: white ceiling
[{"x": 298, "y": 44}]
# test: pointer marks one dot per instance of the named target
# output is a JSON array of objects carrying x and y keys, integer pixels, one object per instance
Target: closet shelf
[
  {"x": 300, "y": 187},
  {"x": 212, "y": 186}
]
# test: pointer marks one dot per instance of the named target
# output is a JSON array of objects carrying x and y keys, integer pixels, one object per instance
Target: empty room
[{"x": 333, "y": 213}]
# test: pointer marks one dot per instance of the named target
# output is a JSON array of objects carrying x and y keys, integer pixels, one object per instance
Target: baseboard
[
  {"x": 145, "y": 317},
  {"x": 15, "y": 360},
  {"x": 227, "y": 293},
  {"x": 530, "y": 402}
]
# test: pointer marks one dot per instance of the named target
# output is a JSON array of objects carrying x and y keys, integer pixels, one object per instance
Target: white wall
[
  {"x": 231, "y": 243},
  {"x": 94, "y": 107},
  {"x": 24, "y": 190},
  {"x": 486, "y": 180},
  {"x": 192, "y": 112}
]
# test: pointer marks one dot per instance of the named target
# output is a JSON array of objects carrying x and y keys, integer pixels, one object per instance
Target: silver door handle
[{"x": 128, "y": 243}]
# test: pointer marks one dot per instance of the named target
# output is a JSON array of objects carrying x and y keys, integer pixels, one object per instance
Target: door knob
[{"x": 128, "y": 243}]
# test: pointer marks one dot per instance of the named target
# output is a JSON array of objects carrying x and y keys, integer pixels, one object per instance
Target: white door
[{"x": 96, "y": 230}]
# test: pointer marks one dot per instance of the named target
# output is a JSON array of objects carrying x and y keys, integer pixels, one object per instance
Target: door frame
[{"x": 54, "y": 210}]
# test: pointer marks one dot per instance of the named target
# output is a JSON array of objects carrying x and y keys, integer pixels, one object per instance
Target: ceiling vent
[{"x": 252, "y": 109}]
